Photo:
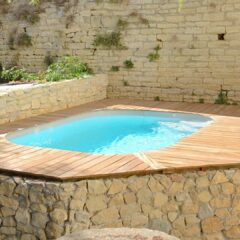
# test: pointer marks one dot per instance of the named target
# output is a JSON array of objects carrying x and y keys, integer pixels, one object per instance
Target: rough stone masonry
[
  {"x": 199, "y": 46},
  {"x": 193, "y": 205}
]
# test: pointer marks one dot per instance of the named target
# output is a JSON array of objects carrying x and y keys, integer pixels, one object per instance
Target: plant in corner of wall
[
  {"x": 128, "y": 64},
  {"x": 154, "y": 56},
  {"x": 222, "y": 97},
  {"x": 24, "y": 40}
]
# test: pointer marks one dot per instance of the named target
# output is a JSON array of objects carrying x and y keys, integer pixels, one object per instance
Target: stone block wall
[
  {"x": 199, "y": 53},
  {"x": 38, "y": 99},
  {"x": 193, "y": 205}
]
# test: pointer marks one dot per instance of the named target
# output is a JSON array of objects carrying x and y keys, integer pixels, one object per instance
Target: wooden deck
[{"x": 216, "y": 145}]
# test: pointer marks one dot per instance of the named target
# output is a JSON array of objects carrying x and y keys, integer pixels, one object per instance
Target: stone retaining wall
[
  {"x": 49, "y": 97},
  {"x": 197, "y": 205},
  {"x": 199, "y": 53}
]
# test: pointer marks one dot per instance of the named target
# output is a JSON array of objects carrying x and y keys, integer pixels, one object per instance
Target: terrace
[
  {"x": 214, "y": 146},
  {"x": 165, "y": 77}
]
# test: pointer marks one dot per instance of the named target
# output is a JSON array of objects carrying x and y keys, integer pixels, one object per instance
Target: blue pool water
[{"x": 113, "y": 131}]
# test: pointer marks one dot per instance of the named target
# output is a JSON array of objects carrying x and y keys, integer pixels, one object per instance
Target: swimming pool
[{"x": 113, "y": 131}]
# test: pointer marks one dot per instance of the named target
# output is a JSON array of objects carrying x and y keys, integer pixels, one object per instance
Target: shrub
[
  {"x": 68, "y": 67},
  {"x": 16, "y": 74},
  {"x": 109, "y": 40},
  {"x": 154, "y": 56},
  {"x": 128, "y": 64},
  {"x": 222, "y": 97}
]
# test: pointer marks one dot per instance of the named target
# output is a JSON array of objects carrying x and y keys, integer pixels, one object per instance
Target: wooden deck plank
[{"x": 215, "y": 145}]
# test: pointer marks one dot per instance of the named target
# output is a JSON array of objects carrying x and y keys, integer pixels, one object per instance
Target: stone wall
[
  {"x": 24, "y": 102},
  {"x": 193, "y": 205},
  {"x": 199, "y": 45}
]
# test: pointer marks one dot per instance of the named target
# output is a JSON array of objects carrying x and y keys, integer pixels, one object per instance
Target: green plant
[
  {"x": 68, "y": 67},
  {"x": 154, "y": 56},
  {"x": 122, "y": 24},
  {"x": 109, "y": 40},
  {"x": 201, "y": 100},
  {"x": 222, "y": 97},
  {"x": 49, "y": 59},
  {"x": 32, "y": 2},
  {"x": 24, "y": 40},
  {"x": 128, "y": 64},
  {"x": 125, "y": 83},
  {"x": 16, "y": 74},
  {"x": 157, "y": 98},
  {"x": 115, "y": 68}
]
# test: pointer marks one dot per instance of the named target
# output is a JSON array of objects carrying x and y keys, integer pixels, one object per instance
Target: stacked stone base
[{"x": 196, "y": 205}]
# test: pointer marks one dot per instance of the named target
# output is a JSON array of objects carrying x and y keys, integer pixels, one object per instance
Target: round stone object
[{"x": 119, "y": 234}]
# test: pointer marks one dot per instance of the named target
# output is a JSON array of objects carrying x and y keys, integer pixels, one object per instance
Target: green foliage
[
  {"x": 49, "y": 59},
  {"x": 128, "y": 64},
  {"x": 115, "y": 68},
  {"x": 222, "y": 97},
  {"x": 157, "y": 98},
  {"x": 16, "y": 74},
  {"x": 24, "y": 40},
  {"x": 125, "y": 83},
  {"x": 201, "y": 100},
  {"x": 32, "y": 2},
  {"x": 154, "y": 56},
  {"x": 109, "y": 40},
  {"x": 122, "y": 24},
  {"x": 68, "y": 67}
]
